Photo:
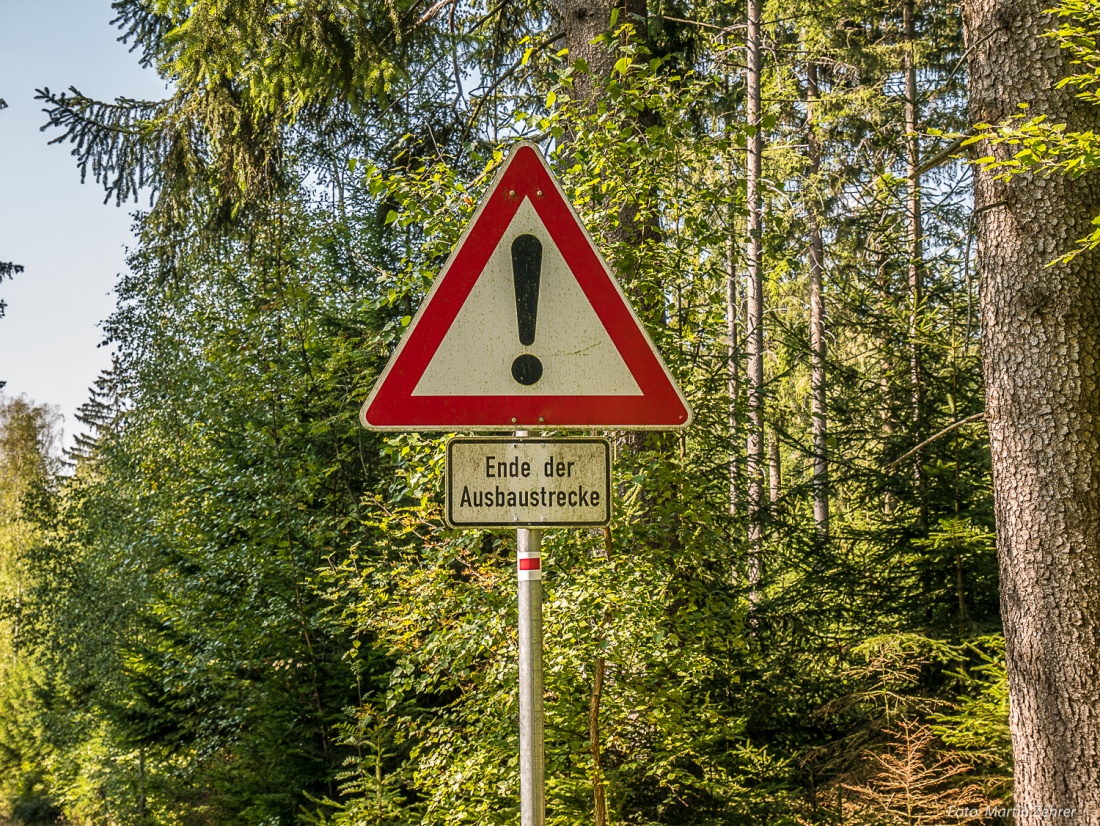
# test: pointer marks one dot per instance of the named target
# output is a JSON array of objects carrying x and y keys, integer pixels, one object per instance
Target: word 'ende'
[{"x": 533, "y": 497}]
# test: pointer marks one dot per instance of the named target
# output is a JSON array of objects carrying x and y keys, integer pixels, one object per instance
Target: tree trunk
[
  {"x": 775, "y": 471},
  {"x": 599, "y": 795},
  {"x": 1041, "y": 356},
  {"x": 754, "y": 295},
  {"x": 582, "y": 21},
  {"x": 733, "y": 377},
  {"x": 915, "y": 264},
  {"x": 733, "y": 311},
  {"x": 817, "y": 313}
]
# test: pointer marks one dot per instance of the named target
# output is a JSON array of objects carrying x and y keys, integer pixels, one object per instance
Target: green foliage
[
  {"x": 977, "y": 727},
  {"x": 248, "y": 610},
  {"x": 1048, "y": 148},
  {"x": 28, "y": 460},
  {"x": 216, "y": 654}
]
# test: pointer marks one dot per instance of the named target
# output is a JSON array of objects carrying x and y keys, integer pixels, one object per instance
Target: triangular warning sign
[{"x": 525, "y": 328}]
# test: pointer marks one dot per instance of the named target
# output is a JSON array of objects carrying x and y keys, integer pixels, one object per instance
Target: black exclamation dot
[{"x": 526, "y": 272}]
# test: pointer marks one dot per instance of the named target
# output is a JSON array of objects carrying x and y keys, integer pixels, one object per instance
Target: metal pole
[
  {"x": 532, "y": 766},
  {"x": 532, "y": 763}
]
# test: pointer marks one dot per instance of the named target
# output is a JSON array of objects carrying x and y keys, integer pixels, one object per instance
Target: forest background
[{"x": 229, "y": 604}]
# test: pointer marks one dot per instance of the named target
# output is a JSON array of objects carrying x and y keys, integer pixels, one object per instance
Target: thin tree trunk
[
  {"x": 754, "y": 294},
  {"x": 962, "y": 620},
  {"x": 915, "y": 252},
  {"x": 1041, "y": 364},
  {"x": 818, "y": 410},
  {"x": 733, "y": 376},
  {"x": 733, "y": 354},
  {"x": 775, "y": 472},
  {"x": 733, "y": 343},
  {"x": 883, "y": 254},
  {"x": 141, "y": 782}
]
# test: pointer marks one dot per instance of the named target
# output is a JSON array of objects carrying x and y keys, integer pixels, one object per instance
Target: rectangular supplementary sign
[{"x": 523, "y": 483}]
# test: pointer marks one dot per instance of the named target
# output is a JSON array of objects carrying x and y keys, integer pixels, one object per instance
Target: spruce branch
[{"x": 120, "y": 143}]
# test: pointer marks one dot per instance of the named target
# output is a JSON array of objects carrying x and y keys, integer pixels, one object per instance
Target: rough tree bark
[
  {"x": 733, "y": 378},
  {"x": 754, "y": 298},
  {"x": 1041, "y": 361},
  {"x": 818, "y": 351},
  {"x": 581, "y": 22}
]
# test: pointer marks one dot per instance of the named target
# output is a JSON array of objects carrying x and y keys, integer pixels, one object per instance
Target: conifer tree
[{"x": 1041, "y": 333}]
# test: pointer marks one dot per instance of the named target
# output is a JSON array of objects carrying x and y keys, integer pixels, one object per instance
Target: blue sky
[{"x": 72, "y": 245}]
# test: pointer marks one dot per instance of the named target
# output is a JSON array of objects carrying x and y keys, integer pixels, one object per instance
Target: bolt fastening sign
[
  {"x": 510, "y": 483},
  {"x": 525, "y": 328}
]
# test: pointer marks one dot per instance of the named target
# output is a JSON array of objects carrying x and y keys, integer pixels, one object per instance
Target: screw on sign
[{"x": 526, "y": 327}]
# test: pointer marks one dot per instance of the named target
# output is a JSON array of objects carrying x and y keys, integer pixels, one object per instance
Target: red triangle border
[{"x": 392, "y": 405}]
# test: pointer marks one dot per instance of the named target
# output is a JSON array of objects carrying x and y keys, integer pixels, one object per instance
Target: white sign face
[
  {"x": 577, "y": 354},
  {"x": 513, "y": 482}
]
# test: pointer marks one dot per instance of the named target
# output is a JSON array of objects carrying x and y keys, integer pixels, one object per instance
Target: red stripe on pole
[{"x": 530, "y": 563}]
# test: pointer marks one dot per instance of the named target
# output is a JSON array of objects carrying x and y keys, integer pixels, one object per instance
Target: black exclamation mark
[{"x": 526, "y": 272}]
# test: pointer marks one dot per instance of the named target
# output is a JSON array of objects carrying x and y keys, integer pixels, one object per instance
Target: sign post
[
  {"x": 532, "y": 761},
  {"x": 532, "y": 764},
  {"x": 526, "y": 327},
  {"x": 521, "y": 481}
]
